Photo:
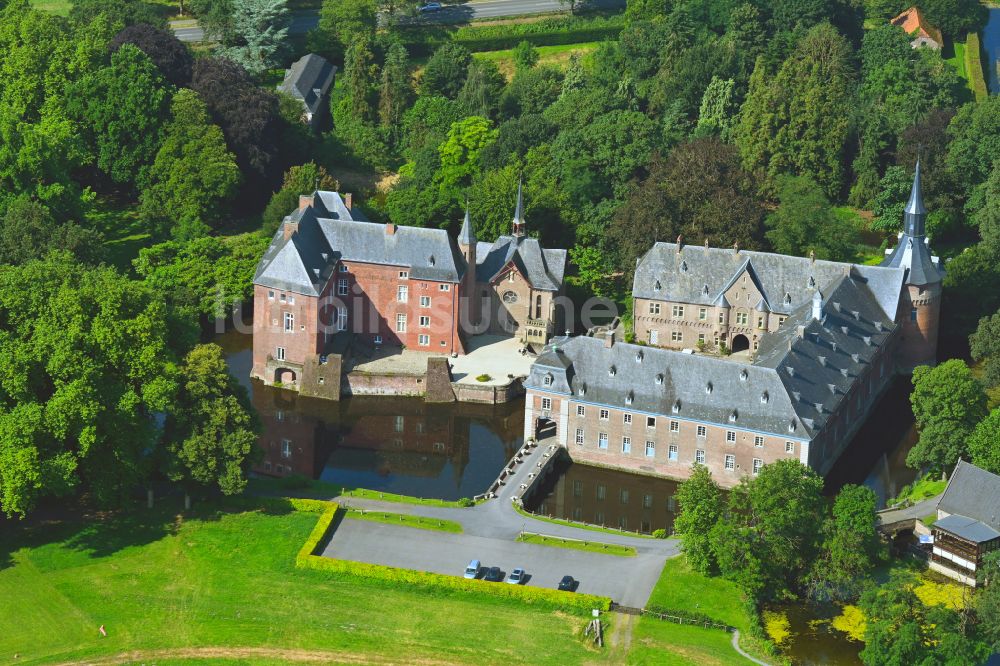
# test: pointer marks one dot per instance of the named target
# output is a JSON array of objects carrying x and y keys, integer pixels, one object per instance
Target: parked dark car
[
  {"x": 568, "y": 584},
  {"x": 493, "y": 575}
]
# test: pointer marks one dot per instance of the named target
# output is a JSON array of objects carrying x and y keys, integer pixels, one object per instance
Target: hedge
[
  {"x": 533, "y": 596},
  {"x": 974, "y": 67},
  {"x": 550, "y": 32}
]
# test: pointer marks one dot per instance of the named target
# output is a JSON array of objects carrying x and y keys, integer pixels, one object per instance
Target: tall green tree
[
  {"x": 29, "y": 230},
  {"x": 482, "y": 90},
  {"x": 122, "y": 108},
  {"x": 299, "y": 180},
  {"x": 89, "y": 365},
  {"x": 341, "y": 23},
  {"x": 446, "y": 71},
  {"x": 211, "y": 428},
  {"x": 193, "y": 175},
  {"x": 974, "y": 146},
  {"x": 799, "y": 120},
  {"x": 947, "y": 403},
  {"x": 259, "y": 34},
  {"x": 805, "y": 222},
  {"x": 395, "y": 92},
  {"x": 851, "y": 546},
  {"x": 984, "y": 443},
  {"x": 701, "y": 506},
  {"x": 988, "y": 602},
  {"x": 985, "y": 347},
  {"x": 460, "y": 153},
  {"x": 360, "y": 74},
  {"x": 717, "y": 108}
]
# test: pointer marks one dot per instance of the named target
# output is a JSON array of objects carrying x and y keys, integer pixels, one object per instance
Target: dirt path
[{"x": 292, "y": 656}]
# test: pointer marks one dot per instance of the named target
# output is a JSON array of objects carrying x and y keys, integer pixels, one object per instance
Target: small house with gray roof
[
  {"x": 309, "y": 80},
  {"x": 330, "y": 274},
  {"x": 968, "y": 523}
]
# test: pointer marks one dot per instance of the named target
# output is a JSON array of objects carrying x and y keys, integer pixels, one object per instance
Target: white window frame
[
  {"x": 626, "y": 444},
  {"x": 401, "y": 323},
  {"x": 650, "y": 448},
  {"x": 730, "y": 464},
  {"x": 342, "y": 286},
  {"x": 444, "y": 287},
  {"x": 279, "y": 354},
  {"x": 581, "y": 410},
  {"x": 602, "y": 440},
  {"x": 341, "y": 318},
  {"x": 402, "y": 293},
  {"x": 699, "y": 456},
  {"x": 425, "y": 321},
  {"x": 425, "y": 301},
  {"x": 789, "y": 447},
  {"x": 757, "y": 464},
  {"x": 424, "y": 340},
  {"x": 675, "y": 426},
  {"x": 579, "y": 436},
  {"x": 730, "y": 437},
  {"x": 404, "y": 275},
  {"x": 672, "y": 452},
  {"x": 604, "y": 415},
  {"x": 288, "y": 322},
  {"x": 654, "y": 308},
  {"x": 546, "y": 404},
  {"x": 626, "y": 419},
  {"x": 701, "y": 431},
  {"x": 758, "y": 442},
  {"x": 677, "y": 312}
]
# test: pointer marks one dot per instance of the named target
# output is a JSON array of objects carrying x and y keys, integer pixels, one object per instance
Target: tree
[
  {"x": 360, "y": 73},
  {"x": 532, "y": 91},
  {"x": 975, "y": 143},
  {"x": 211, "y": 428},
  {"x": 161, "y": 46},
  {"x": 985, "y": 347},
  {"x": 955, "y": 18},
  {"x": 969, "y": 292},
  {"x": 122, "y": 108},
  {"x": 717, "y": 108},
  {"x": 89, "y": 365},
  {"x": 525, "y": 55},
  {"x": 771, "y": 532},
  {"x": 259, "y": 34},
  {"x": 299, "y": 180},
  {"x": 851, "y": 546},
  {"x": 341, "y": 23},
  {"x": 988, "y": 602},
  {"x": 893, "y": 193},
  {"x": 480, "y": 94},
  {"x": 460, "y": 153},
  {"x": 446, "y": 71},
  {"x": 215, "y": 17},
  {"x": 123, "y": 12},
  {"x": 798, "y": 121},
  {"x": 805, "y": 222},
  {"x": 29, "y": 230},
  {"x": 984, "y": 443},
  {"x": 701, "y": 506},
  {"x": 248, "y": 115},
  {"x": 193, "y": 175},
  {"x": 947, "y": 402},
  {"x": 395, "y": 91}
]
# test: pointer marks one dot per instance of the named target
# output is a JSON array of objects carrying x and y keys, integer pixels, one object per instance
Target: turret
[
  {"x": 467, "y": 242},
  {"x": 519, "y": 213}
]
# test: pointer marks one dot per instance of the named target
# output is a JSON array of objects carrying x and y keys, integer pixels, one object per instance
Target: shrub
[
  {"x": 483, "y": 378},
  {"x": 974, "y": 67},
  {"x": 466, "y": 502},
  {"x": 660, "y": 534}
]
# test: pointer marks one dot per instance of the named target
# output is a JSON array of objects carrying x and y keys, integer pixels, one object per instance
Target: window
[
  {"x": 702, "y": 431},
  {"x": 291, "y": 300},
  {"x": 626, "y": 445},
  {"x": 671, "y": 504},
  {"x": 699, "y": 456},
  {"x": 577, "y": 488},
  {"x": 546, "y": 404},
  {"x": 444, "y": 287},
  {"x": 781, "y": 320},
  {"x": 579, "y": 436},
  {"x": 283, "y": 298},
  {"x": 401, "y": 323},
  {"x": 701, "y": 338},
  {"x": 377, "y": 339},
  {"x": 758, "y": 442},
  {"x": 677, "y": 311},
  {"x": 760, "y": 321},
  {"x": 730, "y": 437},
  {"x": 757, "y": 464},
  {"x": 342, "y": 286},
  {"x": 627, "y": 419},
  {"x": 675, "y": 426},
  {"x": 423, "y": 340},
  {"x": 604, "y": 415},
  {"x": 509, "y": 297},
  {"x": 672, "y": 452},
  {"x": 341, "y": 319},
  {"x": 602, "y": 492},
  {"x": 279, "y": 353},
  {"x": 730, "y": 463},
  {"x": 403, "y": 275},
  {"x": 722, "y": 317},
  {"x": 654, "y": 308},
  {"x": 741, "y": 318},
  {"x": 651, "y": 422},
  {"x": 647, "y": 501},
  {"x": 789, "y": 447},
  {"x": 289, "y": 322},
  {"x": 623, "y": 495},
  {"x": 654, "y": 336},
  {"x": 402, "y": 293},
  {"x": 676, "y": 336},
  {"x": 702, "y": 314},
  {"x": 425, "y": 321},
  {"x": 510, "y": 276},
  {"x": 270, "y": 295},
  {"x": 399, "y": 424},
  {"x": 602, "y": 440},
  {"x": 425, "y": 301},
  {"x": 342, "y": 268},
  {"x": 913, "y": 314},
  {"x": 650, "y": 448},
  {"x": 581, "y": 410}
]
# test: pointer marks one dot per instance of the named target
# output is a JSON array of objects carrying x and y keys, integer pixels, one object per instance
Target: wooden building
[{"x": 968, "y": 523}]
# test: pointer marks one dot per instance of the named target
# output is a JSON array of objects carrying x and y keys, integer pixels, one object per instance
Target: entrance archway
[
  {"x": 740, "y": 343},
  {"x": 284, "y": 376}
]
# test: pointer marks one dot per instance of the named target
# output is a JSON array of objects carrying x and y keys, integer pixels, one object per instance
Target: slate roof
[
  {"x": 967, "y": 528},
  {"x": 309, "y": 79},
  {"x": 327, "y": 234},
  {"x": 972, "y": 494},
  {"x": 911, "y": 252},
  {"x": 543, "y": 268},
  {"x": 701, "y": 276},
  {"x": 801, "y": 374}
]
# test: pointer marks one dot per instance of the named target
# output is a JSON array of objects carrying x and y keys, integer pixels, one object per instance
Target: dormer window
[
  {"x": 790, "y": 370},
  {"x": 547, "y": 380},
  {"x": 744, "y": 374},
  {"x": 704, "y": 290},
  {"x": 791, "y": 426},
  {"x": 733, "y": 416},
  {"x": 638, "y": 357},
  {"x": 431, "y": 260},
  {"x": 612, "y": 371},
  {"x": 583, "y": 390},
  {"x": 708, "y": 387},
  {"x": 684, "y": 267},
  {"x": 628, "y": 398},
  {"x": 788, "y": 299},
  {"x": 812, "y": 282},
  {"x": 764, "y": 398},
  {"x": 659, "y": 380},
  {"x": 676, "y": 408},
  {"x": 656, "y": 286}
]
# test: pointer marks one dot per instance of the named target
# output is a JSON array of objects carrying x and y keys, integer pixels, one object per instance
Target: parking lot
[{"x": 627, "y": 580}]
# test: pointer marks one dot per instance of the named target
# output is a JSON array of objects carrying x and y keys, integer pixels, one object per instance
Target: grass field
[
  {"x": 575, "y": 544},
  {"x": 547, "y": 55},
  {"x": 921, "y": 489},
  {"x": 218, "y": 586},
  {"x": 124, "y": 233},
  {"x": 405, "y": 520},
  {"x": 167, "y": 8},
  {"x": 302, "y": 487},
  {"x": 957, "y": 59}
]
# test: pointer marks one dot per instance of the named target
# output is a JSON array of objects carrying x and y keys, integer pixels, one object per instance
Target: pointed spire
[
  {"x": 467, "y": 236},
  {"x": 519, "y": 212},
  {"x": 915, "y": 215}
]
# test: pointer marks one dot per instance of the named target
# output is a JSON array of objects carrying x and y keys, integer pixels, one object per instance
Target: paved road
[{"x": 305, "y": 20}]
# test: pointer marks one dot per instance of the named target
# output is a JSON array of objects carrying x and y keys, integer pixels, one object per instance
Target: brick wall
[
  {"x": 919, "y": 338},
  {"x": 269, "y": 334}
]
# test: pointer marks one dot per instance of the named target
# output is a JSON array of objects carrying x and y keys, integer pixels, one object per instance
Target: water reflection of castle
[{"x": 385, "y": 435}]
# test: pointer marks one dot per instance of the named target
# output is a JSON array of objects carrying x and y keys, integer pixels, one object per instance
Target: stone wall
[
  {"x": 487, "y": 394},
  {"x": 439, "y": 381},
  {"x": 322, "y": 380},
  {"x": 361, "y": 383}
]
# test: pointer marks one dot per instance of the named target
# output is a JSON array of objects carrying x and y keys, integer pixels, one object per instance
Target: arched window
[{"x": 509, "y": 297}]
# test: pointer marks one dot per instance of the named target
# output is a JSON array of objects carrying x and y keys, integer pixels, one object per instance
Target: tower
[
  {"x": 919, "y": 311},
  {"x": 519, "y": 213},
  {"x": 467, "y": 242}
]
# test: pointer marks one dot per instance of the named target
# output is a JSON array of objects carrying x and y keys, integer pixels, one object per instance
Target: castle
[
  {"x": 814, "y": 345},
  {"x": 331, "y": 276}
]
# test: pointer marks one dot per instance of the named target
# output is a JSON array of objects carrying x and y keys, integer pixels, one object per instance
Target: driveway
[{"x": 627, "y": 580}]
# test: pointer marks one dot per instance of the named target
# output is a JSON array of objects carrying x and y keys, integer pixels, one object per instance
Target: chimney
[
  {"x": 305, "y": 200},
  {"x": 390, "y": 229},
  {"x": 680, "y": 243},
  {"x": 348, "y": 200},
  {"x": 736, "y": 247},
  {"x": 289, "y": 228},
  {"x": 609, "y": 339},
  {"x": 812, "y": 256},
  {"x": 706, "y": 242}
]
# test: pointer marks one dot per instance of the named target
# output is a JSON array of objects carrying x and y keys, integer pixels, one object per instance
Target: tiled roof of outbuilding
[{"x": 974, "y": 493}]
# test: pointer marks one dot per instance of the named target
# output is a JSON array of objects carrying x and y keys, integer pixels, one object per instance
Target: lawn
[
  {"x": 124, "y": 232},
  {"x": 303, "y": 487},
  {"x": 547, "y": 55},
  {"x": 576, "y": 544},
  {"x": 957, "y": 59},
  {"x": 923, "y": 488},
  {"x": 169, "y": 586},
  {"x": 167, "y": 8},
  {"x": 405, "y": 520}
]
